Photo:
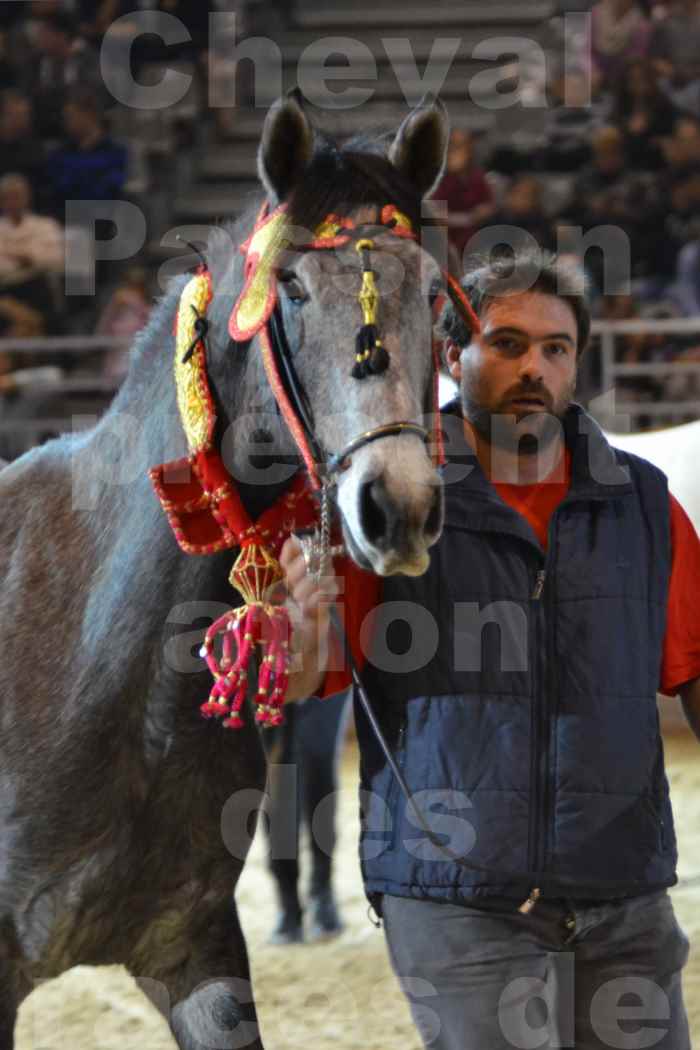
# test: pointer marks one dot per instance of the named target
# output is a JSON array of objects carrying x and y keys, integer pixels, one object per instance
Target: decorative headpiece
[{"x": 199, "y": 495}]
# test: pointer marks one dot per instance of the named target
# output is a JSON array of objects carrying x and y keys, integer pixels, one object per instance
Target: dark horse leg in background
[
  {"x": 303, "y": 791},
  {"x": 13, "y": 986}
]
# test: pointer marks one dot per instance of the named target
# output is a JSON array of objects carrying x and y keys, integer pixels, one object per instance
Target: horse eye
[{"x": 293, "y": 288}]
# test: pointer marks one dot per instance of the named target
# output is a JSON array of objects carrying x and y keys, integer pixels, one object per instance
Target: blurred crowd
[
  {"x": 619, "y": 150},
  {"x": 617, "y": 167}
]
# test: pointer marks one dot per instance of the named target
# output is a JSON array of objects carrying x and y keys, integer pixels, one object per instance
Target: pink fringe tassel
[{"x": 266, "y": 626}]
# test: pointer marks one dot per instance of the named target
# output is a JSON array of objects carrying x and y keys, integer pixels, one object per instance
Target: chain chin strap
[{"x": 316, "y": 546}]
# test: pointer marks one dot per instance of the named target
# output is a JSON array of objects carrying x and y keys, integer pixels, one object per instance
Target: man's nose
[{"x": 532, "y": 364}]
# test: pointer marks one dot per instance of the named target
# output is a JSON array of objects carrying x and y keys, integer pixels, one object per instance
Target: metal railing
[
  {"x": 29, "y": 426},
  {"x": 78, "y": 344},
  {"x": 612, "y": 370}
]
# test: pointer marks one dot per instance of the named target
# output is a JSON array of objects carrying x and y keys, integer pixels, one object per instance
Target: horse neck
[{"x": 112, "y": 489}]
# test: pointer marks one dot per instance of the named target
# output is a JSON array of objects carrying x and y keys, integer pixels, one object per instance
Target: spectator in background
[
  {"x": 611, "y": 193},
  {"x": 90, "y": 165},
  {"x": 309, "y": 744},
  {"x": 644, "y": 114},
  {"x": 21, "y": 151},
  {"x": 25, "y": 382},
  {"x": 620, "y": 31},
  {"x": 606, "y": 169},
  {"x": 8, "y": 72},
  {"x": 524, "y": 214},
  {"x": 96, "y": 16},
  {"x": 11, "y": 14},
  {"x": 682, "y": 220},
  {"x": 65, "y": 60},
  {"x": 466, "y": 192},
  {"x": 17, "y": 321},
  {"x": 675, "y": 51},
  {"x": 685, "y": 290},
  {"x": 31, "y": 246},
  {"x": 570, "y": 120},
  {"x": 125, "y": 314},
  {"x": 682, "y": 148}
]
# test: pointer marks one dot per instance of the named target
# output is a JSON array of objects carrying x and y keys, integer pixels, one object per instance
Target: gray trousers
[{"x": 566, "y": 975}]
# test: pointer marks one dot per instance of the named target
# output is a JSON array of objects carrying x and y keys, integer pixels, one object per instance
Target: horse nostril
[
  {"x": 374, "y": 505},
  {"x": 433, "y": 522}
]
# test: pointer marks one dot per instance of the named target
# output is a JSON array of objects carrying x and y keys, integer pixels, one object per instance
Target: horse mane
[{"x": 340, "y": 179}]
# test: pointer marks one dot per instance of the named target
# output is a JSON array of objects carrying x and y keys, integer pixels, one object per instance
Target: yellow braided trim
[{"x": 191, "y": 376}]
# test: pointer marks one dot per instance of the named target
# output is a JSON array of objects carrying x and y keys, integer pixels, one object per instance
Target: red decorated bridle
[{"x": 198, "y": 493}]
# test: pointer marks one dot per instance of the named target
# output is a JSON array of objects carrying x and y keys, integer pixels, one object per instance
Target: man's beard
[{"x": 524, "y": 433}]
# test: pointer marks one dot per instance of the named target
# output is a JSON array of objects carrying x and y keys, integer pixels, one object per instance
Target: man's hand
[
  {"x": 690, "y": 695},
  {"x": 309, "y": 601}
]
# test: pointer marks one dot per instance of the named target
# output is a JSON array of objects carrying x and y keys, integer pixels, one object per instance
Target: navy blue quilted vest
[{"x": 518, "y": 691}]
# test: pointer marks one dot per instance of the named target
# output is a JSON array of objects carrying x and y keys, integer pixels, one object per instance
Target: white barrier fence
[{"x": 612, "y": 370}]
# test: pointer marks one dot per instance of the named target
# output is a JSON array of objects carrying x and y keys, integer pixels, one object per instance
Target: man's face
[
  {"x": 459, "y": 155},
  {"x": 75, "y": 121},
  {"x": 522, "y": 364},
  {"x": 14, "y": 199}
]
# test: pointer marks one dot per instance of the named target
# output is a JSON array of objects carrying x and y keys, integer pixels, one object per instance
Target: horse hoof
[
  {"x": 325, "y": 920},
  {"x": 289, "y": 929}
]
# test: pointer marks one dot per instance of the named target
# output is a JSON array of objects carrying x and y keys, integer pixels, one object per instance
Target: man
[
  {"x": 64, "y": 61},
  {"x": 466, "y": 192},
  {"x": 31, "y": 249},
  {"x": 28, "y": 242},
  {"x": 21, "y": 150},
  {"x": 90, "y": 165},
  {"x": 674, "y": 49},
  {"x": 562, "y": 592}
]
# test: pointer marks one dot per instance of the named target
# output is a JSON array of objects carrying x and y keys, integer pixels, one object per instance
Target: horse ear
[
  {"x": 286, "y": 146},
  {"x": 419, "y": 147}
]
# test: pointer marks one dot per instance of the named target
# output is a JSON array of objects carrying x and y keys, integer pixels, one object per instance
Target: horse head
[{"x": 351, "y": 224}]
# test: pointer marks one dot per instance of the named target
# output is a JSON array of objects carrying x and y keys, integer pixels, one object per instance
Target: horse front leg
[
  {"x": 208, "y": 998},
  {"x": 219, "y": 1014}
]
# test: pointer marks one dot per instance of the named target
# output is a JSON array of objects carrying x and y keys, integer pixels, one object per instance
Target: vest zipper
[
  {"x": 536, "y": 744},
  {"x": 548, "y": 700}
]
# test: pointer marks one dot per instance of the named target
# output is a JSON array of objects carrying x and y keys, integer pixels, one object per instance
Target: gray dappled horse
[{"x": 112, "y": 785}]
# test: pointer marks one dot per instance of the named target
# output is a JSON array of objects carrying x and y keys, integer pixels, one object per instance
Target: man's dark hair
[
  {"x": 60, "y": 22},
  {"x": 84, "y": 99},
  {"x": 489, "y": 279}
]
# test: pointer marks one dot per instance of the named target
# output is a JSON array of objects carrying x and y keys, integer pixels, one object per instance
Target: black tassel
[
  {"x": 371, "y": 358},
  {"x": 378, "y": 360},
  {"x": 201, "y": 327}
]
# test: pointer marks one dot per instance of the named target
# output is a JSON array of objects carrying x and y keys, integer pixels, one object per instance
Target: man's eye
[
  {"x": 505, "y": 343},
  {"x": 557, "y": 348}
]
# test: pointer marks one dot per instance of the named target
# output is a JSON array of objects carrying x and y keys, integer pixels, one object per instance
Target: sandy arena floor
[{"x": 338, "y": 996}]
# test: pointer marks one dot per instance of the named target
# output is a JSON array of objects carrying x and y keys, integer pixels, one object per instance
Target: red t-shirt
[{"x": 537, "y": 503}]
